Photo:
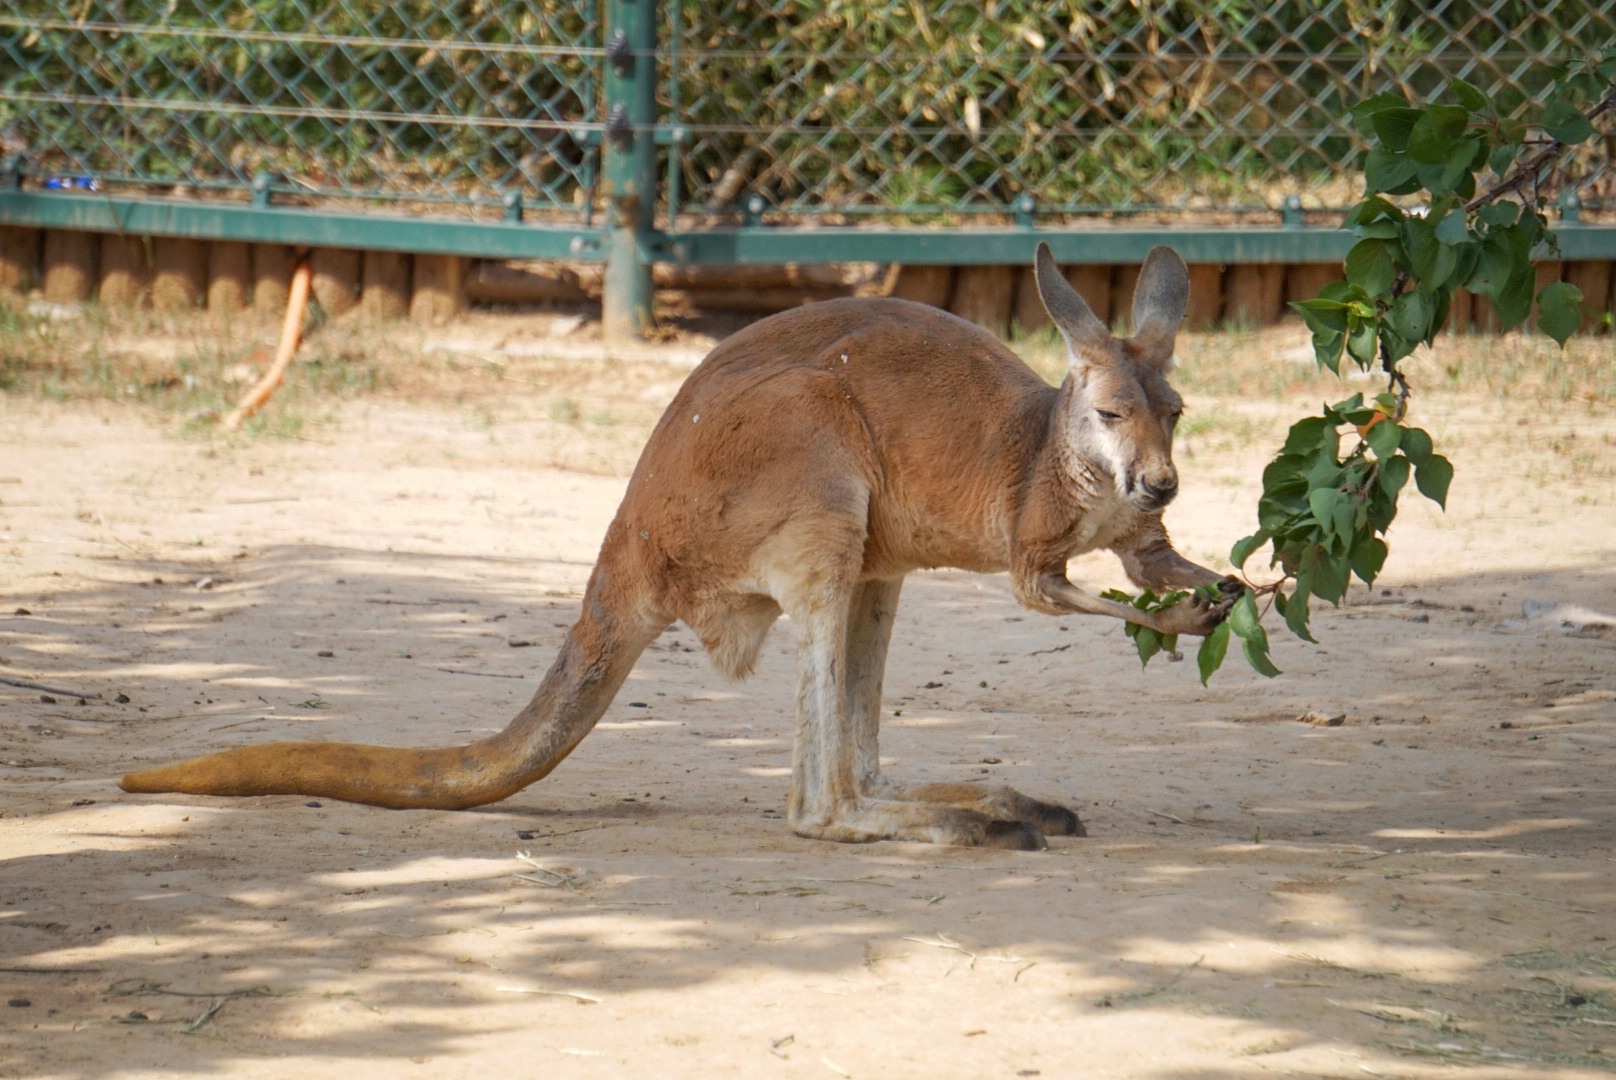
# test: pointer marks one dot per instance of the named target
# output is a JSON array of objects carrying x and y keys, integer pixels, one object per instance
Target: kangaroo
[{"x": 805, "y": 467}]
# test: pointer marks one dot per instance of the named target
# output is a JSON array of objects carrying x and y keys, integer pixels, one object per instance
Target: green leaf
[
  {"x": 1385, "y": 171},
  {"x": 1243, "y": 619},
  {"x": 1417, "y": 445},
  {"x": 1361, "y": 343},
  {"x": 1433, "y": 479},
  {"x": 1148, "y": 642},
  {"x": 1296, "y": 608},
  {"x": 1244, "y": 548},
  {"x": 1363, "y": 113},
  {"x": 1559, "y": 310},
  {"x": 1324, "y": 502},
  {"x": 1437, "y": 132},
  {"x": 1327, "y": 347},
  {"x": 1469, "y": 96},
  {"x": 1499, "y": 213},
  {"x": 1371, "y": 266},
  {"x": 1564, "y": 122},
  {"x": 1410, "y": 315},
  {"x": 1367, "y": 559},
  {"x": 1394, "y": 471},
  {"x": 1394, "y": 126},
  {"x": 1305, "y": 436},
  {"x": 1257, "y": 657},
  {"x": 1328, "y": 577},
  {"x": 1503, "y": 157},
  {"x": 1514, "y": 303},
  {"x": 1452, "y": 229},
  {"x": 1383, "y": 437},
  {"x": 1209, "y": 657},
  {"x": 1432, "y": 261}
]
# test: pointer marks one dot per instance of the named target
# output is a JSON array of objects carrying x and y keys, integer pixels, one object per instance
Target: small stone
[
  {"x": 524, "y": 835},
  {"x": 47, "y": 699},
  {"x": 638, "y": 705},
  {"x": 122, "y": 699},
  {"x": 519, "y": 644},
  {"x": 19, "y": 1003},
  {"x": 314, "y": 803},
  {"x": 1319, "y": 719},
  {"x": 327, "y": 653},
  {"x": 23, "y": 611}
]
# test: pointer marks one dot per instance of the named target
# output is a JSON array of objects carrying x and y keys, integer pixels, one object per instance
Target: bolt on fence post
[{"x": 630, "y": 159}]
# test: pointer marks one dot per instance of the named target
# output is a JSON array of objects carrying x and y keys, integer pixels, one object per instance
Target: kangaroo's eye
[{"x": 1108, "y": 417}]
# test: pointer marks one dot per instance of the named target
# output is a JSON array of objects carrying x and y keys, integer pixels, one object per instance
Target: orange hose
[{"x": 291, "y": 332}]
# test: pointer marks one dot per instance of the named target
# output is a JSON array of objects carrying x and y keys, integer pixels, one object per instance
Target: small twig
[
  {"x": 552, "y": 879},
  {"x": 26, "y": 684},
  {"x": 1152, "y": 991},
  {"x": 582, "y": 999},
  {"x": 207, "y": 1014},
  {"x": 776, "y": 1044},
  {"x": 1169, "y": 817},
  {"x": 484, "y": 674},
  {"x": 833, "y": 1067}
]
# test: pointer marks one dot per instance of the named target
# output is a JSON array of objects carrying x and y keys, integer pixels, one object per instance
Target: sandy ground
[{"x": 1427, "y": 889}]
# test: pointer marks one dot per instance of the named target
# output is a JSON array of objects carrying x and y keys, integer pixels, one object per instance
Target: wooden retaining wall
[
  {"x": 174, "y": 275},
  {"x": 178, "y": 275}
]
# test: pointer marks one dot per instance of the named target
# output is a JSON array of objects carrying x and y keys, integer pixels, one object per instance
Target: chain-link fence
[
  {"x": 417, "y": 102},
  {"x": 910, "y": 110},
  {"x": 958, "y": 108}
]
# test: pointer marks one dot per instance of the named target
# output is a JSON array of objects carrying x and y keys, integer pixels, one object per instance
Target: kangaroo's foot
[
  {"x": 1004, "y": 804},
  {"x": 864, "y": 820}
]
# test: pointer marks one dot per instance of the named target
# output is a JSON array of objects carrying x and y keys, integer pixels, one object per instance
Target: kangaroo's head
[{"x": 1117, "y": 411}]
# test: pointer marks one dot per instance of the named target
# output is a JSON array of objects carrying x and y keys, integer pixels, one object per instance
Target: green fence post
[{"x": 630, "y": 152}]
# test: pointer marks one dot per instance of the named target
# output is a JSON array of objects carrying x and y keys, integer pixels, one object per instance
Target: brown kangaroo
[{"x": 806, "y": 466}]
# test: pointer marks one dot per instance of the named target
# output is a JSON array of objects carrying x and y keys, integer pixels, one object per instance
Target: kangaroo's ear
[
  {"x": 1071, "y": 316},
  {"x": 1160, "y": 299}
]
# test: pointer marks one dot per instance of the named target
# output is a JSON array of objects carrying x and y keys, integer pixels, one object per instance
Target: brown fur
[{"x": 806, "y": 466}]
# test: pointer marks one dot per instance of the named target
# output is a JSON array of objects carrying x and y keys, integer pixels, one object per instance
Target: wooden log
[
  {"x": 1254, "y": 294},
  {"x": 1548, "y": 273},
  {"x": 385, "y": 285},
  {"x": 272, "y": 266},
  {"x": 1093, "y": 283},
  {"x": 1304, "y": 280},
  {"x": 439, "y": 288},
  {"x": 1593, "y": 277},
  {"x": 1206, "y": 296},
  {"x": 1462, "y": 312},
  {"x": 70, "y": 270},
  {"x": 498, "y": 283},
  {"x": 983, "y": 295},
  {"x": 1028, "y": 315},
  {"x": 336, "y": 280},
  {"x": 932, "y": 285},
  {"x": 230, "y": 280},
  {"x": 19, "y": 258},
  {"x": 179, "y": 274},
  {"x": 125, "y": 271}
]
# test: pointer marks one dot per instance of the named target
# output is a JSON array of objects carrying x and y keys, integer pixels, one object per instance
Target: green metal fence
[{"x": 638, "y": 131}]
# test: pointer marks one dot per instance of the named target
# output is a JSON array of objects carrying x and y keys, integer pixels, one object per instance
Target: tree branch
[{"x": 1527, "y": 171}]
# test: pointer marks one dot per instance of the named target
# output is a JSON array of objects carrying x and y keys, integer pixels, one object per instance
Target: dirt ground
[{"x": 1426, "y": 889}]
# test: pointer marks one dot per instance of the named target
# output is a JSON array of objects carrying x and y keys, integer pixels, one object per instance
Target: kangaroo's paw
[
  {"x": 1000, "y": 803},
  {"x": 864, "y": 820}
]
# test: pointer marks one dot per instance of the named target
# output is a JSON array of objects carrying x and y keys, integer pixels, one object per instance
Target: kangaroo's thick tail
[{"x": 596, "y": 657}]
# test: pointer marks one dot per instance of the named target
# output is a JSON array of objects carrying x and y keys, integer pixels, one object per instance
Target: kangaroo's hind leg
[
  {"x": 869, "y": 632},
  {"x": 835, "y": 748}
]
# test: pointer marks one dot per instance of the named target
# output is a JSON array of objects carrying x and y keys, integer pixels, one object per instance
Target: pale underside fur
[{"x": 805, "y": 467}]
